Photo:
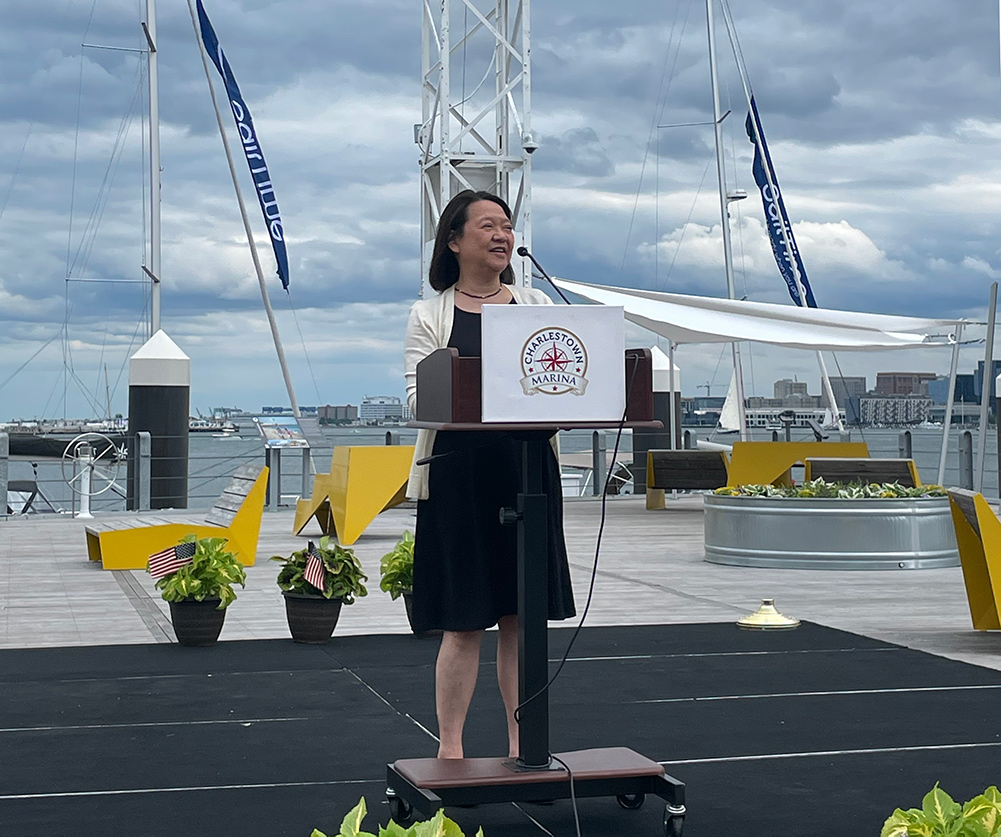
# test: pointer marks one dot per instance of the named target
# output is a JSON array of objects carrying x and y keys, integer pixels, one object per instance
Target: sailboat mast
[
  {"x": 724, "y": 210},
  {"x": 149, "y": 29},
  {"x": 268, "y": 310},
  {"x": 825, "y": 378}
]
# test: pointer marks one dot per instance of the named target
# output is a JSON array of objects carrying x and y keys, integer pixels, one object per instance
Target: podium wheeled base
[{"x": 425, "y": 785}]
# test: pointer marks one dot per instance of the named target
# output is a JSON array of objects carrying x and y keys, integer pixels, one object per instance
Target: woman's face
[{"x": 486, "y": 241}]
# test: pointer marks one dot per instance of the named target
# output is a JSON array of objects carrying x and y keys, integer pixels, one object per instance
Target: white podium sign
[{"x": 553, "y": 363}]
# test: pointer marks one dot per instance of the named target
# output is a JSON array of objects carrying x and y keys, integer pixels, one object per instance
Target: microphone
[{"x": 523, "y": 252}]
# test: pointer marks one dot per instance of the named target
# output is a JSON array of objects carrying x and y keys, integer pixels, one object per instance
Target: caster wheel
[
  {"x": 630, "y": 801},
  {"x": 400, "y": 811},
  {"x": 674, "y": 822}
]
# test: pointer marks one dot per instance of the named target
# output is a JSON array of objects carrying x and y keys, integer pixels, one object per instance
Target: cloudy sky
[{"x": 882, "y": 118}]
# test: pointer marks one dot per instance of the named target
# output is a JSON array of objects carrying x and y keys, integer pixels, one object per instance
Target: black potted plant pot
[
  {"x": 311, "y": 619},
  {"x": 197, "y": 623}
]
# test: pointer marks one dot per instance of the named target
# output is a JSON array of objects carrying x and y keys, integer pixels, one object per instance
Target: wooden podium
[{"x": 449, "y": 388}]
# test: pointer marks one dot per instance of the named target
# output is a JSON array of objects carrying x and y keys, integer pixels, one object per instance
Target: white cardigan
[{"x": 429, "y": 328}]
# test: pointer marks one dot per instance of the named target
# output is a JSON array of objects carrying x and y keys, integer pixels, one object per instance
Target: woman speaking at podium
[{"x": 465, "y": 561}]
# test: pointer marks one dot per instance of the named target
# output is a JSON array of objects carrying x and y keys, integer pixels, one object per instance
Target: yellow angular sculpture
[
  {"x": 978, "y": 534},
  {"x": 363, "y": 481},
  {"x": 126, "y": 544},
  {"x": 763, "y": 463}
]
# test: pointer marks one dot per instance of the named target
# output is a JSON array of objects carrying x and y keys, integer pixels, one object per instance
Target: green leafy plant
[
  {"x": 397, "y": 568},
  {"x": 438, "y": 826},
  {"x": 840, "y": 490},
  {"x": 344, "y": 578},
  {"x": 941, "y": 816},
  {"x": 211, "y": 574}
]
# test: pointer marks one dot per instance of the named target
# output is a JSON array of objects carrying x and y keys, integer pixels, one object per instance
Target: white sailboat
[{"x": 729, "y": 417}]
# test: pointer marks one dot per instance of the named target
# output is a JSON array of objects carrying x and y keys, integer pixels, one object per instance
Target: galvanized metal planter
[{"x": 830, "y": 533}]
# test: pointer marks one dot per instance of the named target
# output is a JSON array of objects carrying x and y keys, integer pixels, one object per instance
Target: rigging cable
[
  {"x": 719, "y": 360},
  {"x": 688, "y": 220},
  {"x": 13, "y": 374},
  {"x": 858, "y": 417},
  {"x": 740, "y": 219},
  {"x": 750, "y": 364},
  {"x": 140, "y": 324},
  {"x": 17, "y": 169},
  {"x": 89, "y": 236},
  {"x": 302, "y": 340},
  {"x": 31, "y": 127},
  {"x": 76, "y": 142},
  {"x": 740, "y": 237},
  {"x": 661, "y": 101},
  {"x": 100, "y": 363}
]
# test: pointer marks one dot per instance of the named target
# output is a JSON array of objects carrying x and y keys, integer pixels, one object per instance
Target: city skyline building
[
  {"x": 786, "y": 388},
  {"x": 376, "y": 408},
  {"x": 845, "y": 387},
  {"x": 903, "y": 383}
]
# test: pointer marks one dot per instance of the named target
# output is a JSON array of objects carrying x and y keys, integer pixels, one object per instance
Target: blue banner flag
[
  {"x": 251, "y": 147},
  {"x": 775, "y": 212}
]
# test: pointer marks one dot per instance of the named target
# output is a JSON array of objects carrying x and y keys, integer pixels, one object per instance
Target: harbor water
[{"x": 213, "y": 457}]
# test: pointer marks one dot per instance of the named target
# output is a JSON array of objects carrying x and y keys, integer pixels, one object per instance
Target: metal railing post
[
  {"x": 273, "y": 459},
  {"x": 691, "y": 440},
  {"x": 966, "y": 460},
  {"x": 4, "y": 471},
  {"x": 997, "y": 420},
  {"x": 598, "y": 464},
  {"x": 905, "y": 445},
  {"x": 392, "y": 437},
  {"x": 144, "y": 446},
  {"x": 306, "y": 488}
]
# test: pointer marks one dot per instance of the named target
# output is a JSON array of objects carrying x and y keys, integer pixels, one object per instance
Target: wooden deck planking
[{"x": 650, "y": 571}]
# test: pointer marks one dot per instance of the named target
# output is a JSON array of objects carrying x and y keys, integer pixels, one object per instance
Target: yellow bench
[
  {"x": 764, "y": 463},
  {"x": 126, "y": 544},
  {"x": 978, "y": 534},
  {"x": 364, "y": 481}
]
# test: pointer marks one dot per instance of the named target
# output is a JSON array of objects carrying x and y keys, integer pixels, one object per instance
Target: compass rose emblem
[
  {"x": 554, "y": 362},
  {"x": 554, "y": 359}
]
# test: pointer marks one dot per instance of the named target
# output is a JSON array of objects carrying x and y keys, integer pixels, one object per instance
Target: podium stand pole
[{"x": 533, "y": 610}]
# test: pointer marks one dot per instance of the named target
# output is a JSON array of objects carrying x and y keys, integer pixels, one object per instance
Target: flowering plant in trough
[{"x": 820, "y": 488}]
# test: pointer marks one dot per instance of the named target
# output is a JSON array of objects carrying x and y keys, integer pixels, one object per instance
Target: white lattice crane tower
[{"x": 476, "y": 133}]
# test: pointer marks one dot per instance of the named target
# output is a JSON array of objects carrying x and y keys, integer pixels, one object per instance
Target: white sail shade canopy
[{"x": 696, "y": 319}]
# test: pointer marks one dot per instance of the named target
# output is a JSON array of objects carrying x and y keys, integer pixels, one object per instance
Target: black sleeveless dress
[{"x": 465, "y": 561}]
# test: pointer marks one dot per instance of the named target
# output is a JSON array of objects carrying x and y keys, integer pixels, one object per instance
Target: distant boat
[
  {"x": 204, "y": 425},
  {"x": 52, "y": 446}
]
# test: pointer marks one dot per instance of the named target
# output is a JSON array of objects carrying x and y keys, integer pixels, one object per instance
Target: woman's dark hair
[{"x": 444, "y": 270}]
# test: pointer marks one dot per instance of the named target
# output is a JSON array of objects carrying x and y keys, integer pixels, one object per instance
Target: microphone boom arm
[{"x": 524, "y": 253}]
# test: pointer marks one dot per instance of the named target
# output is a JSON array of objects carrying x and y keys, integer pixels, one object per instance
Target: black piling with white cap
[{"x": 159, "y": 399}]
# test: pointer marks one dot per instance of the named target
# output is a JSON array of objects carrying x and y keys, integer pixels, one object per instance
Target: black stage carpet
[{"x": 813, "y": 731}]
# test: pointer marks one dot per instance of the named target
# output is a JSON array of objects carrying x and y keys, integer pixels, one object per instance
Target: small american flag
[
  {"x": 171, "y": 560},
  {"x": 315, "y": 573}
]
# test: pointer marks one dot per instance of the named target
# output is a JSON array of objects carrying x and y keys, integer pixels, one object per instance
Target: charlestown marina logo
[{"x": 554, "y": 362}]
